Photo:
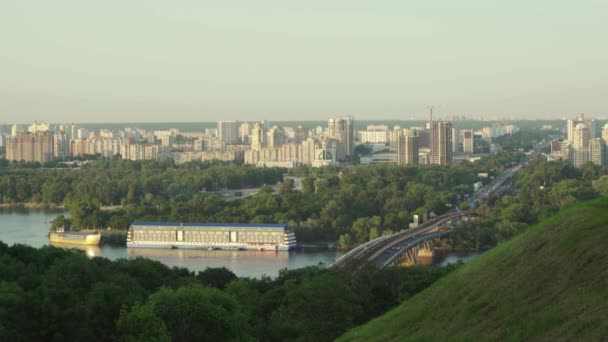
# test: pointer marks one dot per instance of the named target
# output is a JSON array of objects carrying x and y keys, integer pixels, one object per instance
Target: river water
[{"x": 30, "y": 227}]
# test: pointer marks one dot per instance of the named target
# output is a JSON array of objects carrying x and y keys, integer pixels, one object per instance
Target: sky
[{"x": 197, "y": 60}]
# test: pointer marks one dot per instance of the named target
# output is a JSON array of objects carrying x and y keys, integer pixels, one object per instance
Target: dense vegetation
[
  {"x": 51, "y": 294},
  {"x": 549, "y": 283},
  {"x": 525, "y": 139},
  {"x": 123, "y": 182},
  {"x": 541, "y": 190},
  {"x": 351, "y": 204}
]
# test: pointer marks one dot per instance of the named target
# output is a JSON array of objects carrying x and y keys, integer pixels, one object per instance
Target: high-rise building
[
  {"x": 441, "y": 142},
  {"x": 581, "y": 136},
  {"x": 276, "y": 137},
  {"x": 424, "y": 138},
  {"x": 468, "y": 139},
  {"x": 300, "y": 134},
  {"x": 342, "y": 129},
  {"x": 245, "y": 132},
  {"x": 61, "y": 145},
  {"x": 31, "y": 147},
  {"x": 407, "y": 148},
  {"x": 605, "y": 133},
  {"x": 580, "y": 119},
  {"x": 257, "y": 137},
  {"x": 16, "y": 129},
  {"x": 455, "y": 140},
  {"x": 597, "y": 148},
  {"x": 228, "y": 131},
  {"x": 580, "y": 157}
]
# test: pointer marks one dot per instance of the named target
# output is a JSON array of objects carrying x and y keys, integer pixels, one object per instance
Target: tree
[
  {"x": 142, "y": 324},
  {"x": 591, "y": 171},
  {"x": 216, "y": 277},
  {"x": 363, "y": 226},
  {"x": 318, "y": 309},
  {"x": 286, "y": 187},
  {"x": 191, "y": 313},
  {"x": 345, "y": 241},
  {"x": 601, "y": 185}
]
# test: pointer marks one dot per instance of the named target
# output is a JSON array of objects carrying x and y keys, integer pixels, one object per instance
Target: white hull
[{"x": 178, "y": 245}]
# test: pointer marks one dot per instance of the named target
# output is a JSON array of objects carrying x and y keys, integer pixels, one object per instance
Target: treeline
[
  {"x": 346, "y": 205},
  {"x": 541, "y": 189},
  {"x": 524, "y": 139},
  {"x": 51, "y": 294},
  {"x": 122, "y": 182}
]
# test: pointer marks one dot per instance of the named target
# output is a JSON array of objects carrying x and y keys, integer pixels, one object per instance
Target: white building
[{"x": 373, "y": 137}]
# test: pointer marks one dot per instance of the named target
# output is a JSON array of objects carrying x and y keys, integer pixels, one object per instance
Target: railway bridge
[{"x": 389, "y": 250}]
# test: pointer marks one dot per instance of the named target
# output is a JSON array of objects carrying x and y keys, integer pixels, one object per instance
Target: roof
[{"x": 219, "y": 225}]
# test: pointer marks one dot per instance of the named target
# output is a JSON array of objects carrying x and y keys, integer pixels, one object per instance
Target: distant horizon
[
  {"x": 295, "y": 120},
  {"x": 155, "y": 61}
]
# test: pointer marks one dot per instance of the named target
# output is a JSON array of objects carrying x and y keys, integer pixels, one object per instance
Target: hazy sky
[{"x": 159, "y": 60}]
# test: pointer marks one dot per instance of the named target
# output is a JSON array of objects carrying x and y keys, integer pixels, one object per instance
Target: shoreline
[
  {"x": 33, "y": 205},
  {"x": 29, "y": 205}
]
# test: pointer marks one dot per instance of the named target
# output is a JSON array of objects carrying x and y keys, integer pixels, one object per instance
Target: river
[{"x": 30, "y": 227}]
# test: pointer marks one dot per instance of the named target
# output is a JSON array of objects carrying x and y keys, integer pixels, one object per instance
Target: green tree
[
  {"x": 601, "y": 185},
  {"x": 192, "y": 313},
  {"x": 345, "y": 241},
  {"x": 363, "y": 227}
]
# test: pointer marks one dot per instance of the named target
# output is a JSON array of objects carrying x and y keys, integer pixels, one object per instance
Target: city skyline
[{"x": 205, "y": 61}]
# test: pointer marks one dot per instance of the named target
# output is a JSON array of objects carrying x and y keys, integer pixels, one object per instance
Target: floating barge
[
  {"x": 75, "y": 237},
  {"x": 224, "y": 236}
]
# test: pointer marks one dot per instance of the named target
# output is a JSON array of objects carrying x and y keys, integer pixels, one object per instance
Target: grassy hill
[{"x": 549, "y": 283}]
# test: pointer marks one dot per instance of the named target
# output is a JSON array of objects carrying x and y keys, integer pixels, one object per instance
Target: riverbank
[
  {"x": 114, "y": 238},
  {"x": 33, "y": 206},
  {"x": 58, "y": 206},
  {"x": 321, "y": 244}
]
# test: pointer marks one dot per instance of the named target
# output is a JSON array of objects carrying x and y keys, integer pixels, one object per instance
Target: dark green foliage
[
  {"x": 190, "y": 313},
  {"x": 216, "y": 277},
  {"x": 524, "y": 139},
  {"x": 116, "y": 182},
  {"x": 51, "y": 294},
  {"x": 54, "y": 294}
]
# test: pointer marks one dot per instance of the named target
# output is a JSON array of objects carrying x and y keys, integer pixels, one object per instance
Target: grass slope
[{"x": 549, "y": 283}]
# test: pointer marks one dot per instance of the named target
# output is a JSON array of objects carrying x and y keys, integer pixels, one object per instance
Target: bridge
[
  {"x": 403, "y": 247},
  {"x": 383, "y": 251}
]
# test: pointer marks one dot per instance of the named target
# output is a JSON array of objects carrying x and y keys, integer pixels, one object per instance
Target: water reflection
[
  {"x": 242, "y": 262},
  {"x": 203, "y": 253},
  {"x": 430, "y": 253},
  {"x": 90, "y": 250}
]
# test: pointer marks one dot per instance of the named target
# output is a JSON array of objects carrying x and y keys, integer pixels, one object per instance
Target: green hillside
[{"x": 549, "y": 283}]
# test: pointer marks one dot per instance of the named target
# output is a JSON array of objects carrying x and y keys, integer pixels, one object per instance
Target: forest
[
  {"x": 347, "y": 205},
  {"x": 52, "y": 294}
]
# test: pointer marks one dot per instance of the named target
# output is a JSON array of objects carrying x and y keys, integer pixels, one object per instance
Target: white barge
[{"x": 226, "y": 236}]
